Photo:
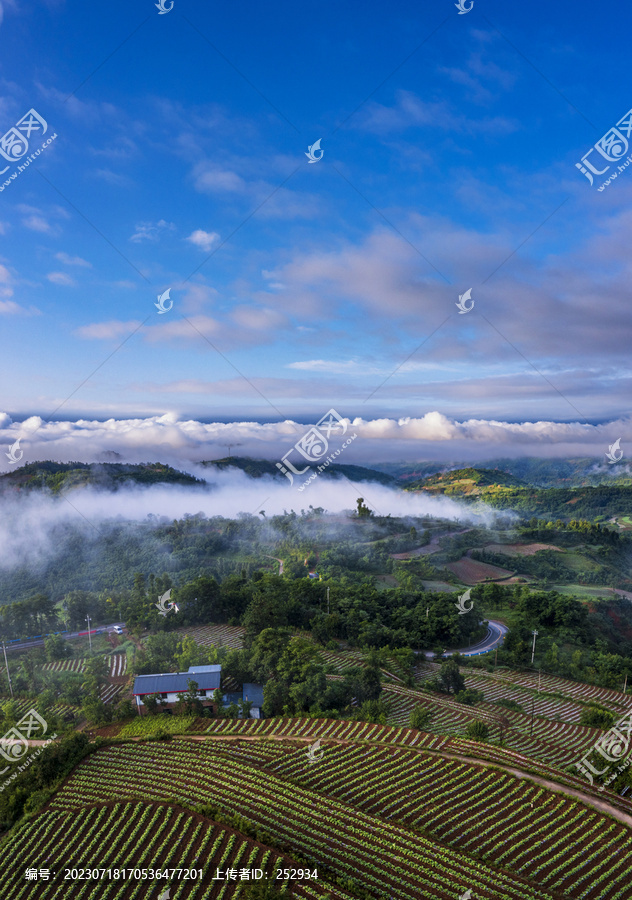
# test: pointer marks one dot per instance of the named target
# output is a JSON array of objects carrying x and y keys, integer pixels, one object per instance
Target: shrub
[
  {"x": 508, "y": 704},
  {"x": 477, "y": 730},
  {"x": 420, "y": 717},
  {"x": 596, "y": 716},
  {"x": 470, "y": 697}
]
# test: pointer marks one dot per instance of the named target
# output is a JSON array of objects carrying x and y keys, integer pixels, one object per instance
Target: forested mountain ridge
[
  {"x": 504, "y": 491},
  {"x": 56, "y": 477}
]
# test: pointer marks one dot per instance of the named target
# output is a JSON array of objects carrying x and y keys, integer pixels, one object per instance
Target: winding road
[{"x": 494, "y": 638}]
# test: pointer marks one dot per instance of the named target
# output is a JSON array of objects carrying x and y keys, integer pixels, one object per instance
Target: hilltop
[
  {"x": 57, "y": 477},
  {"x": 468, "y": 481}
]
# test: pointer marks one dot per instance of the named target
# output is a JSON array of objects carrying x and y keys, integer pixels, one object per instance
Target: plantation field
[
  {"x": 117, "y": 664},
  {"x": 583, "y": 591},
  {"x": 406, "y": 817},
  {"x": 470, "y": 571},
  {"x": 143, "y": 836},
  {"x": 218, "y": 635},
  {"x": 386, "y": 857},
  {"x": 521, "y": 549},
  {"x": 23, "y": 706},
  {"x": 145, "y": 726}
]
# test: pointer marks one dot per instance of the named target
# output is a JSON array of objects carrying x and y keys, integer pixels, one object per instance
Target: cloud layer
[{"x": 183, "y": 442}]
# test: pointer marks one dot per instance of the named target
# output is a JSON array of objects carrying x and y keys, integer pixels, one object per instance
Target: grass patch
[{"x": 147, "y": 726}]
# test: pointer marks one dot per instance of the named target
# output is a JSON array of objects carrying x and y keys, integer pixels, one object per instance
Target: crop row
[
  {"x": 493, "y": 814},
  {"x": 553, "y": 742},
  {"x": 218, "y": 635},
  {"x": 330, "y": 832},
  {"x": 131, "y": 835},
  {"x": 117, "y": 664}
]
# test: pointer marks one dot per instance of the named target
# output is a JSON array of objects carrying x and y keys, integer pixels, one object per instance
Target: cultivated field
[
  {"x": 521, "y": 549},
  {"x": 218, "y": 635},
  {"x": 470, "y": 571},
  {"x": 117, "y": 664},
  {"x": 405, "y": 815}
]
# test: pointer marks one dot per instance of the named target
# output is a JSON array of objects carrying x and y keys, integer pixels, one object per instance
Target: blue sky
[{"x": 450, "y": 143}]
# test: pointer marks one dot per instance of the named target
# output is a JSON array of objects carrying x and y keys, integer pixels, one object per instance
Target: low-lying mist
[{"x": 33, "y": 521}]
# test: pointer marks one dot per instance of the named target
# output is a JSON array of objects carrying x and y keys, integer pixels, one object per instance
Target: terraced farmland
[
  {"x": 117, "y": 664},
  {"x": 219, "y": 635},
  {"x": 362, "y": 809},
  {"x": 389, "y": 859},
  {"x": 137, "y": 836}
]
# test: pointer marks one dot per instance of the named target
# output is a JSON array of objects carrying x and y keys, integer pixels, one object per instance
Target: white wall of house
[{"x": 173, "y": 698}]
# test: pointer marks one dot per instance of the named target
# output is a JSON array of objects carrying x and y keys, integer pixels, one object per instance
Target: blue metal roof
[
  {"x": 196, "y": 669},
  {"x": 254, "y": 693},
  {"x": 176, "y": 682}
]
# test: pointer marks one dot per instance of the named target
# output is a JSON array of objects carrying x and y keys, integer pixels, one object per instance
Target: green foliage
[
  {"x": 57, "y": 648},
  {"x": 420, "y": 718},
  {"x": 145, "y": 726},
  {"x": 470, "y": 697},
  {"x": 477, "y": 731},
  {"x": 508, "y": 704},
  {"x": 34, "y": 785},
  {"x": 596, "y": 716},
  {"x": 450, "y": 678}
]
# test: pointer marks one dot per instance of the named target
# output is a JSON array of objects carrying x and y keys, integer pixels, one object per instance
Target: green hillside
[
  {"x": 57, "y": 477},
  {"x": 468, "y": 481}
]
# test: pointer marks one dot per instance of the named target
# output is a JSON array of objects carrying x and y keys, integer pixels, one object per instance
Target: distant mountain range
[
  {"x": 557, "y": 488},
  {"x": 571, "y": 472},
  {"x": 257, "y": 468}
]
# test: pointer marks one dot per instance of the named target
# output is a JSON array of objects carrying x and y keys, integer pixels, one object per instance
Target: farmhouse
[
  {"x": 254, "y": 694},
  {"x": 169, "y": 685}
]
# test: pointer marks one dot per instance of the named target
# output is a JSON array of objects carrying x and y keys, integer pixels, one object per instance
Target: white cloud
[
  {"x": 37, "y": 223},
  {"x": 210, "y": 179},
  {"x": 5, "y": 282},
  {"x": 68, "y": 260},
  {"x": 61, "y": 278},
  {"x": 433, "y": 436},
  {"x": 205, "y": 240},
  {"x": 151, "y": 231},
  {"x": 9, "y": 307},
  {"x": 106, "y": 331}
]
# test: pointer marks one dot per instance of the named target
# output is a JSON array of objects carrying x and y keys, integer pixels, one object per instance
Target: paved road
[
  {"x": 494, "y": 638},
  {"x": 67, "y": 635},
  {"x": 280, "y": 562}
]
